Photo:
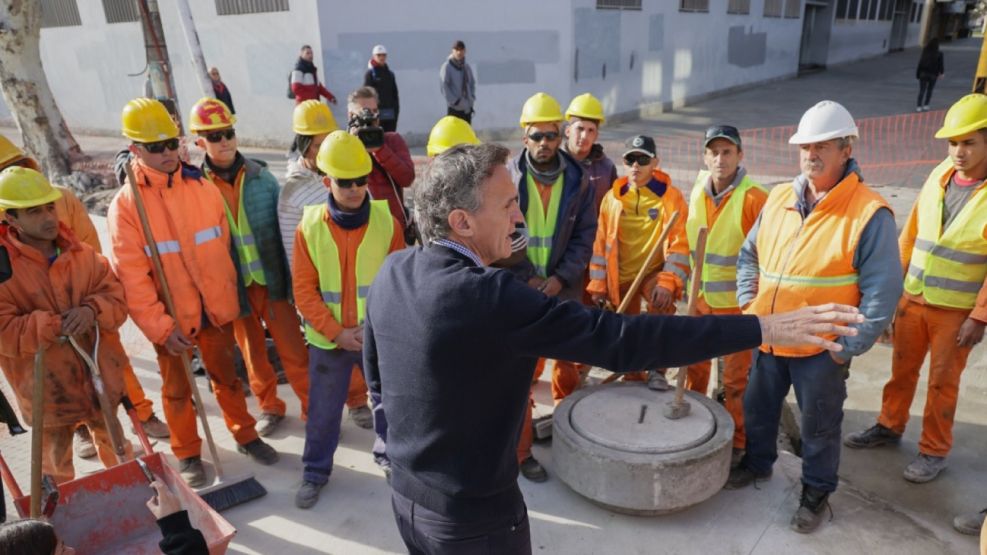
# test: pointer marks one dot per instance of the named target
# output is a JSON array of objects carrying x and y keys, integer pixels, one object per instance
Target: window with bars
[
  {"x": 772, "y": 8},
  {"x": 793, "y": 9},
  {"x": 888, "y": 12},
  {"x": 59, "y": 13},
  {"x": 618, "y": 4},
  {"x": 741, "y": 7},
  {"x": 239, "y": 7},
  {"x": 121, "y": 11},
  {"x": 693, "y": 5}
]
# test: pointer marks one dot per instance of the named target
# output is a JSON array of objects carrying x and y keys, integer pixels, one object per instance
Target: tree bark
[{"x": 26, "y": 91}]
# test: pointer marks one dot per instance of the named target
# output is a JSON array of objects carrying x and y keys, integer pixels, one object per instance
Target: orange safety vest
[{"x": 809, "y": 262}]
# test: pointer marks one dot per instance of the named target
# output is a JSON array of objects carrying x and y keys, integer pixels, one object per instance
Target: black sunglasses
[
  {"x": 160, "y": 146},
  {"x": 347, "y": 183},
  {"x": 216, "y": 136},
  {"x": 641, "y": 159},
  {"x": 538, "y": 136}
]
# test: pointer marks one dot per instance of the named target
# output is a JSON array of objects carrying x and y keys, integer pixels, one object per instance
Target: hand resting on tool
[{"x": 804, "y": 326}]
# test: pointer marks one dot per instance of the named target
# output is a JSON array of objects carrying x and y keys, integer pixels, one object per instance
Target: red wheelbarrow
[{"x": 106, "y": 512}]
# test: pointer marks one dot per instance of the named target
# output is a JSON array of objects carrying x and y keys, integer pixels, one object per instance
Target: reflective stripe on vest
[
  {"x": 251, "y": 267},
  {"x": 810, "y": 261},
  {"x": 719, "y": 280},
  {"x": 541, "y": 226},
  {"x": 948, "y": 267},
  {"x": 322, "y": 249},
  {"x": 173, "y": 247}
]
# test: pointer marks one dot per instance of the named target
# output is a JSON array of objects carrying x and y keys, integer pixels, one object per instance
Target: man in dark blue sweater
[{"x": 450, "y": 345}]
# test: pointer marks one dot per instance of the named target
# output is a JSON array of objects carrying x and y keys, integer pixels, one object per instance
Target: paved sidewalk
[{"x": 875, "y": 510}]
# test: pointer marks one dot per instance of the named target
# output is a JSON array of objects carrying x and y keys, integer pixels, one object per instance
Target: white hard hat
[
  {"x": 379, "y": 49},
  {"x": 824, "y": 121}
]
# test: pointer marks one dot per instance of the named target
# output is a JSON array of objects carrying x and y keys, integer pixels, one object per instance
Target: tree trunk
[{"x": 26, "y": 91}]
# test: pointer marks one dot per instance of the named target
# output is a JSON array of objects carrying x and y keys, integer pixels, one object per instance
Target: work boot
[
  {"x": 924, "y": 468},
  {"x": 84, "y": 446},
  {"x": 267, "y": 423},
  {"x": 308, "y": 494},
  {"x": 153, "y": 427},
  {"x": 657, "y": 381},
  {"x": 363, "y": 417},
  {"x": 970, "y": 523},
  {"x": 812, "y": 508},
  {"x": 192, "y": 471},
  {"x": 533, "y": 470},
  {"x": 875, "y": 436},
  {"x": 742, "y": 476},
  {"x": 260, "y": 452}
]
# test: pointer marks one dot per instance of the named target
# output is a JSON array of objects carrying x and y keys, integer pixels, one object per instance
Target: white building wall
[{"x": 632, "y": 60}]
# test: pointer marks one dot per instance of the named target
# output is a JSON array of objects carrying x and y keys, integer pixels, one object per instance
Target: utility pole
[
  {"x": 195, "y": 48},
  {"x": 160, "y": 81},
  {"x": 925, "y": 32}
]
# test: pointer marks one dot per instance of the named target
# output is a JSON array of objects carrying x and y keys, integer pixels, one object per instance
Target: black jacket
[
  {"x": 451, "y": 347},
  {"x": 930, "y": 67},
  {"x": 382, "y": 79},
  {"x": 179, "y": 538}
]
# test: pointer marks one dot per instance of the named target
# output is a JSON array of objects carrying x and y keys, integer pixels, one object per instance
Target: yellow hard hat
[
  {"x": 9, "y": 151},
  {"x": 313, "y": 118},
  {"x": 540, "y": 108},
  {"x": 209, "y": 114},
  {"x": 968, "y": 114},
  {"x": 24, "y": 188},
  {"x": 343, "y": 156},
  {"x": 586, "y": 106},
  {"x": 145, "y": 120},
  {"x": 449, "y": 132}
]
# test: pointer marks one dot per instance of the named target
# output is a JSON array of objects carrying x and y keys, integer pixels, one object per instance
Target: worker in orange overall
[
  {"x": 727, "y": 201},
  {"x": 59, "y": 287},
  {"x": 632, "y": 216},
  {"x": 944, "y": 308},
  {"x": 187, "y": 218},
  {"x": 73, "y": 214},
  {"x": 250, "y": 193}
]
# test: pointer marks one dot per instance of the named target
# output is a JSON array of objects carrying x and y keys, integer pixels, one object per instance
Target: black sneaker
[
  {"x": 741, "y": 477},
  {"x": 308, "y": 494},
  {"x": 812, "y": 508},
  {"x": 533, "y": 470},
  {"x": 875, "y": 436},
  {"x": 260, "y": 452}
]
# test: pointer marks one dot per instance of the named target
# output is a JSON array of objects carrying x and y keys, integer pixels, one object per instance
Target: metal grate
[
  {"x": 121, "y": 11},
  {"x": 742, "y": 7},
  {"x": 793, "y": 9},
  {"x": 772, "y": 8},
  {"x": 239, "y": 7},
  {"x": 59, "y": 13},
  {"x": 618, "y": 4},
  {"x": 693, "y": 5}
]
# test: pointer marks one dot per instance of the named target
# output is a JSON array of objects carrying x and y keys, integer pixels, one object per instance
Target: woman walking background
[{"x": 930, "y": 68}]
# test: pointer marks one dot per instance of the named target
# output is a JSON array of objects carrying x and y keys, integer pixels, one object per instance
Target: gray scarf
[{"x": 546, "y": 177}]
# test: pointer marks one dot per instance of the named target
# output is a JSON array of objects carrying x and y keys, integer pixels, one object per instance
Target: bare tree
[{"x": 26, "y": 91}]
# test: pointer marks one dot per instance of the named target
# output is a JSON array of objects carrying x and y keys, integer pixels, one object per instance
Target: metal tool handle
[
  {"x": 106, "y": 407},
  {"x": 170, "y": 306},
  {"x": 37, "y": 430}
]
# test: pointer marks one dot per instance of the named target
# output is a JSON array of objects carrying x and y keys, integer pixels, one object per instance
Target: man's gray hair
[
  {"x": 452, "y": 181},
  {"x": 844, "y": 142}
]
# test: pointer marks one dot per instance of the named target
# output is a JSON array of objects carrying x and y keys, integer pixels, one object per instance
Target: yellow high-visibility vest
[{"x": 541, "y": 226}]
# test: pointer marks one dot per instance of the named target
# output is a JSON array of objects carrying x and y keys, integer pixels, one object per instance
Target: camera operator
[{"x": 393, "y": 168}]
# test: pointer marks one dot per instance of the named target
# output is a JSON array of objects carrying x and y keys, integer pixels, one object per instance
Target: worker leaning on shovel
[
  {"x": 187, "y": 219},
  {"x": 60, "y": 287}
]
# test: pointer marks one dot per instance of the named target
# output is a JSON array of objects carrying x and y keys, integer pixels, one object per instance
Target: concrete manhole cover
[{"x": 632, "y": 420}]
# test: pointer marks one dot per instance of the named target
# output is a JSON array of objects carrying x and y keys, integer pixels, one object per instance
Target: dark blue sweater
[{"x": 451, "y": 347}]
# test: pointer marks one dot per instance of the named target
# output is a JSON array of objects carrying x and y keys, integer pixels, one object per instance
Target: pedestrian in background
[
  {"x": 381, "y": 78},
  {"x": 930, "y": 69},
  {"x": 220, "y": 89},
  {"x": 304, "y": 81},
  {"x": 458, "y": 84}
]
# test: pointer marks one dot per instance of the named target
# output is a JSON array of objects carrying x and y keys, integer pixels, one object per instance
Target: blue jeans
[
  {"x": 329, "y": 380},
  {"x": 820, "y": 389}
]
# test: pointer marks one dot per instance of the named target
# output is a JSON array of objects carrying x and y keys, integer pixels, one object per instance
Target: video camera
[{"x": 370, "y": 134}]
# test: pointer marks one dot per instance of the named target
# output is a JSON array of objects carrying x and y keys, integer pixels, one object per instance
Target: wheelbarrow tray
[{"x": 106, "y": 512}]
